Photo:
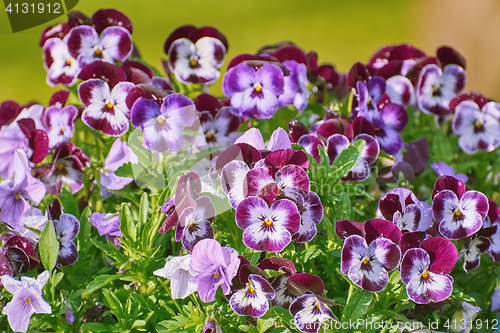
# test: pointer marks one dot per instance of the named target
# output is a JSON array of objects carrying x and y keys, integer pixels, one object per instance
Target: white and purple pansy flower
[
  {"x": 459, "y": 213},
  {"x": 253, "y": 299},
  {"x": 279, "y": 140},
  {"x": 267, "y": 228},
  {"x": 474, "y": 246},
  {"x": 295, "y": 90},
  {"x": 337, "y": 143},
  {"x": 310, "y": 313},
  {"x": 66, "y": 228},
  {"x": 59, "y": 123},
  {"x": 478, "y": 128},
  {"x": 312, "y": 215},
  {"x": 436, "y": 88},
  {"x": 254, "y": 93},
  {"x": 393, "y": 119},
  {"x": 369, "y": 96},
  {"x": 61, "y": 66},
  {"x": 162, "y": 125},
  {"x": 195, "y": 223},
  {"x": 181, "y": 274},
  {"x": 492, "y": 221},
  {"x": 367, "y": 265},
  {"x": 216, "y": 266},
  {"x": 119, "y": 154},
  {"x": 425, "y": 270},
  {"x": 85, "y": 44},
  {"x": 403, "y": 208},
  {"x": 400, "y": 90},
  {"x": 107, "y": 225},
  {"x": 105, "y": 109}
]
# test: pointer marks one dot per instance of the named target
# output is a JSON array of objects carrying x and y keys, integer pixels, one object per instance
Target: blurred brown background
[{"x": 342, "y": 32}]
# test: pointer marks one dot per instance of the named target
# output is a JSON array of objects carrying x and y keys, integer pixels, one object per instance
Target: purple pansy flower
[
  {"x": 279, "y": 140},
  {"x": 108, "y": 225},
  {"x": 59, "y": 123},
  {"x": 254, "y": 93},
  {"x": 11, "y": 140},
  {"x": 367, "y": 265},
  {"x": 85, "y": 45},
  {"x": 66, "y": 228},
  {"x": 443, "y": 169},
  {"x": 253, "y": 298},
  {"x": 267, "y": 228},
  {"x": 312, "y": 215},
  {"x": 478, "y": 128},
  {"x": 119, "y": 154},
  {"x": 295, "y": 90},
  {"x": 400, "y": 90},
  {"x": 459, "y": 213},
  {"x": 425, "y": 270},
  {"x": 369, "y": 96},
  {"x": 181, "y": 275},
  {"x": 195, "y": 223},
  {"x": 216, "y": 265},
  {"x": 309, "y": 313},
  {"x": 162, "y": 125},
  {"x": 60, "y": 65},
  {"x": 474, "y": 246},
  {"x": 436, "y": 88},
  {"x": 105, "y": 109},
  {"x": 490, "y": 222},
  {"x": 211, "y": 326},
  {"x": 27, "y": 300}
]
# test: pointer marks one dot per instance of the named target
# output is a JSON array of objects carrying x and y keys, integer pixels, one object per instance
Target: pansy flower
[
  {"x": 267, "y": 228},
  {"x": 59, "y": 123},
  {"x": 61, "y": 66},
  {"x": 295, "y": 90},
  {"x": 436, "y": 88},
  {"x": 181, "y": 275},
  {"x": 369, "y": 95},
  {"x": 27, "y": 300},
  {"x": 21, "y": 254},
  {"x": 105, "y": 109},
  {"x": 66, "y": 228},
  {"x": 85, "y": 44},
  {"x": 492, "y": 221},
  {"x": 68, "y": 168},
  {"x": 478, "y": 128},
  {"x": 253, "y": 299},
  {"x": 459, "y": 213},
  {"x": 312, "y": 215},
  {"x": 425, "y": 270},
  {"x": 119, "y": 154},
  {"x": 162, "y": 125},
  {"x": 195, "y": 55},
  {"x": 254, "y": 93},
  {"x": 107, "y": 225},
  {"x": 443, "y": 169},
  {"x": 474, "y": 246},
  {"x": 195, "y": 223},
  {"x": 216, "y": 266}
]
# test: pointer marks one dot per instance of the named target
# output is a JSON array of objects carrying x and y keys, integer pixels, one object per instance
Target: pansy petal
[{"x": 237, "y": 79}]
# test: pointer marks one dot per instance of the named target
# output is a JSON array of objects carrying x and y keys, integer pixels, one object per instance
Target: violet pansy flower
[
  {"x": 436, "y": 88},
  {"x": 478, "y": 128},
  {"x": 369, "y": 95},
  {"x": 295, "y": 90},
  {"x": 254, "y": 93},
  {"x": 312, "y": 215},
  {"x": 66, "y": 228},
  {"x": 443, "y": 169},
  {"x": 459, "y": 213},
  {"x": 267, "y": 228},
  {"x": 253, "y": 299},
  {"x": 61, "y": 66},
  {"x": 309, "y": 313},
  {"x": 105, "y": 109},
  {"x": 425, "y": 270},
  {"x": 59, "y": 123},
  {"x": 181, "y": 275},
  {"x": 162, "y": 125},
  {"x": 195, "y": 223},
  {"x": 216, "y": 266},
  {"x": 27, "y": 300},
  {"x": 108, "y": 225},
  {"x": 119, "y": 154},
  {"x": 85, "y": 45}
]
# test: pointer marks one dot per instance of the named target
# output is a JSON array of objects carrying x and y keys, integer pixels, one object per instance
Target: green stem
[
  {"x": 169, "y": 294},
  {"x": 195, "y": 300},
  {"x": 351, "y": 290}
]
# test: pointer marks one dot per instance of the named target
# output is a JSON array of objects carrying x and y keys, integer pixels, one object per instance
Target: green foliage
[{"x": 49, "y": 247}]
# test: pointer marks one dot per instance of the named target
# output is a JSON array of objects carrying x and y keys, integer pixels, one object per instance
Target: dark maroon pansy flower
[
  {"x": 9, "y": 110},
  {"x": 110, "y": 17},
  {"x": 105, "y": 71},
  {"x": 474, "y": 96},
  {"x": 21, "y": 254},
  {"x": 448, "y": 55},
  {"x": 137, "y": 72},
  {"x": 393, "y": 60},
  {"x": 38, "y": 141}
]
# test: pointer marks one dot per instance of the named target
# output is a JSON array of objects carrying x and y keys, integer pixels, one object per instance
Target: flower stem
[
  {"x": 169, "y": 294},
  {"x": 351, "y": 290},
  {"x": 195, "y": 300}
]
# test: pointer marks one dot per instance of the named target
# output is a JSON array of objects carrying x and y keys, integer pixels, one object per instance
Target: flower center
[
  {"x": 160, "y": 120},
  {"x": 268, "y": 224},
  {"x": 316, "y": 307},
  {"x": 27, "y": 301},
  {"x": 458, "y": 215},
  {"x": 365, "y": 264},
  {"x": 68, "y": 62},
  {"x": 192, "y": 226},
  {"x": 436, "y": 91},
  {"x": 18, "y": 196},
  {"x": 251, "y": 290},
  {"x": 478, "y": 128},
  {"x": 60, "y": 167},
  {"x": 193, "y": 63},
  {"x": 210, "y": 136},
  {"x": 98, "y": 52},
  {"x": 216, "y": 275},
  {"x": 109, "y": 107},
  {"x": 425, "y": 276},
  {"x": 257, "y": 88}
]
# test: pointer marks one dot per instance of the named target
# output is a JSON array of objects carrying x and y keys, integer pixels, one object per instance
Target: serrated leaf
[
  {"x": 311, "y": 253},
  {"x": 68, "y": 201},
  {"x": 49, "y": 246},
  {"x": 357, "y": 305},
  {"x": 125, "y": 171}
]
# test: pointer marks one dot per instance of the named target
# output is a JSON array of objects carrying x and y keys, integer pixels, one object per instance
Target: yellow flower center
[
  {"x": 425, "y": 276},
  {"x": 268, "y": 223},
  {"x": 478, "y": 126},
  {"x": 317, "y": 308},
  {"x": 98, "y": 52},
  {"x": 27, "y": 301},
  {"x": 192, "y": 226},
  {"x": 193, "y": 62},
  {"x": 60, "y": 167},
  {"x": 18, "y": 196},
  {"x": 251, "y": 290},
  {"x": 210, "y": 136},
  {"x": 68, "y": 62},
  {"x": 216, "y": 275},
  {"x": 365, "y": 264},
  {"x": 257, "y": 88},
  {"x": 109, "y": 105},
  {"x": 458, "y": 215},
  {"x": 160, "y": 120}
]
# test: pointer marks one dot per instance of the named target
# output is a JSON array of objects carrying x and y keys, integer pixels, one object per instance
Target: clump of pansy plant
[{"x": 130, "y": 197}]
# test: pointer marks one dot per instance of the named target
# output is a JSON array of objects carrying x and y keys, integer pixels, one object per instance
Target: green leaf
[
  {"x": 143, "y": 209},
  {"x": 264, "y": 324},
  {"x": 311, "y": 253},
  {"x": 357, "y": 305},
  {"x": 83, "y": 238},
  {"x": 127, "y": 225},
  {"x": 100, "y": 281},
  {"x": 441, "y": 147},
  {"x": 248, "y": 329},
  {"x": 347, "y": 159},
  {"x": 125, "y": 171},
  {"x": 343, "y": 208},
  {"x": 68, "y": 201},
  {"x": 49, "y": 246}
]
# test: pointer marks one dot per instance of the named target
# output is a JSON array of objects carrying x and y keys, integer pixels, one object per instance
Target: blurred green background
[{"x": 342, "y": 32}]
